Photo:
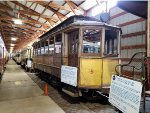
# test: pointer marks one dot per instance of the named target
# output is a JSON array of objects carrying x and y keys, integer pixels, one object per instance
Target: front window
[
  {"x": 111, "y": 42},
  {"x": 38, "y": 49},
  {"x": 91, "y": 41}
]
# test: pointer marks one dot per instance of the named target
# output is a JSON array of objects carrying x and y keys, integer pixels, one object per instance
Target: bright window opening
[
  {"x": 91, "y": 41},
  {"x": 102, "y": 6}
]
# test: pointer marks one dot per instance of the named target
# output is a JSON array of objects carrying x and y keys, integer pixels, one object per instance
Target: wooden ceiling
[{"x": 37, "y": 17}]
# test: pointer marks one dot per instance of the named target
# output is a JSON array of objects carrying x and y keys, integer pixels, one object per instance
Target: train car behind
[{"x": 26, "y": 58}]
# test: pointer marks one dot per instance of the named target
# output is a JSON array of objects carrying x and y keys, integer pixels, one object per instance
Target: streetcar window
[
  {"x": 111, "y": 42},
  {"x": 34, "y": 50},
  {"x": 46, "y": 46},
  {"x": 51, "y": 45},
  {"x": 58, "y": 40},
  {"x": 38, "y": 49},
  {"x": 91, "y": 41},
  {"x": 42, "y": 48}
]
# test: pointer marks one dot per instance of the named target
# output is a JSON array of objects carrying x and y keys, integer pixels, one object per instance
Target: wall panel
[
  {"x": 133, "y": 37},
  {"x": 133, "y": 32}
]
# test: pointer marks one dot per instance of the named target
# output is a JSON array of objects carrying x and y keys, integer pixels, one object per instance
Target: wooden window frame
[
  {"x": 52, "y": 37},
  {"x": 55, "y": 42},
  {"x": 91, "y": 54},
  {"x": 118, "y": 44}
]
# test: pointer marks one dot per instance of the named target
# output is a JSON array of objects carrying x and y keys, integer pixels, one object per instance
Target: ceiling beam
[
  {"x": 16, "y": 32},
  {"x": 22, "y": 26},
  {"x": 59, "y": 15},
  {"x": 37, "y": 14},
  {"x": 32, "y": 12},
  {"x": 24, "y": 21},
  {"x": 18, "y": 29},
  {"x": 76, "y": 7},
  {"x": 54, "y": 5},
  {"x": 4, "y": 8},
  {"x": 71, "y": 6}
]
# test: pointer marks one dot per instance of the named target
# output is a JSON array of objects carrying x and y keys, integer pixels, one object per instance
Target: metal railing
[{"x": 135, "y": 69}]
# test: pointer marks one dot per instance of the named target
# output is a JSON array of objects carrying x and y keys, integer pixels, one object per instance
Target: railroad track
[{"x": 71, "y": 105}]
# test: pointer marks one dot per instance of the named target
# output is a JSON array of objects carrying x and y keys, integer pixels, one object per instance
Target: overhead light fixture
[
  {"x": 12, "y": 44},
  {"x": 11, "y": 47},
  {"x": 18, "y": 21},
  {"x": 13, "y": 39}
]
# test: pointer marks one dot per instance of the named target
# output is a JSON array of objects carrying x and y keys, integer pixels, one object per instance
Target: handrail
[
  {"x": 143, "y": 78},
  {"x": 128, "y": 64}
]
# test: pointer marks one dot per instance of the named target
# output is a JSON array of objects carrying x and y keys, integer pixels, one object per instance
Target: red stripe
[
  {"x": 133, "y": 46},
  {"x": 134, "y": 34},
  {"x": 130, "y": 73},
  {"x": 128, "y": 59},
  {"x": 132, "y": 22},
  {"x": 117, "y": 15}
]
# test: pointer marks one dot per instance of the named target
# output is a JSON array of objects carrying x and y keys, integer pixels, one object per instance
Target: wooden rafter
[
  {"x": 71, "y": 6},
  {"x": 25, "y": 21},
  {"x": 37, "y": 14},
  {"x": 59, "y": 15},
  {"x": 22, "y": 15},
  {"x": 5, "y": 7},
  {"x": 32, "y": 12},
  {"x": 22, "y": 26},
  {"x": 32, "y": 28},
  {"x": 6, "y": 31},
  {"x": 76, "y": 7},
  {"x": 54, "y": 5},
  {"x": 18, "y": 29}
]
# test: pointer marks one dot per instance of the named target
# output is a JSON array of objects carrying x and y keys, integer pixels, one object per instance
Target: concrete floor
[{"x": 19, "y": 94}]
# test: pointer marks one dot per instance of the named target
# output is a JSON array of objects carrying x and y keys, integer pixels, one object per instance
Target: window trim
[
  {"x": 61, "y": 43},
  {"x": 45, "y": 40},
  {"x": 76, "y": 31},
  {"x": 118, "y": 44},
  {"x": 91, "y": 54},
  {"x": 49, "y": 44}
]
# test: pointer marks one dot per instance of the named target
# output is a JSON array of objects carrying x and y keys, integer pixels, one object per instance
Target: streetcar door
[{"x": 73, "y": 45}]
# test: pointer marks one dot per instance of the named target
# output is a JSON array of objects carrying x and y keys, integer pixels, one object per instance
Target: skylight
[{"x": 101, "y": 7}]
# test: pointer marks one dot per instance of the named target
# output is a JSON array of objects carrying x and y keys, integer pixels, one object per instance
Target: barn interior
[{"x": 60, "y": 56}]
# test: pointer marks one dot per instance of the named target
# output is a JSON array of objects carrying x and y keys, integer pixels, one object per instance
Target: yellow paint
[
  {"x": 108, "y": 69},
  {"x": 90, "y": 73}
]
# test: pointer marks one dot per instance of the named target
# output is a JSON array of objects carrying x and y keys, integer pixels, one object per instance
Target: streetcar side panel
[{"x": 90, "y": 73}]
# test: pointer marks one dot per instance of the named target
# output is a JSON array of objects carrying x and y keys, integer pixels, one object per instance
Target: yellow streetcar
[{"x": 81, "y": 53}]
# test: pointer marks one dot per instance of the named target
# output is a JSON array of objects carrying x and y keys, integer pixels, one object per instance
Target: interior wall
[{"x": 133, "y": 37}]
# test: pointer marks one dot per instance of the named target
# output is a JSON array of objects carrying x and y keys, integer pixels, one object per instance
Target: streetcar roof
[
  {"x": 94, "y": 23},
  {"x": 76, "y": 20}
]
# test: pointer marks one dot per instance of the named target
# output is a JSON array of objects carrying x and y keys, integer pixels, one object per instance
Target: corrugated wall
[{"x": 133, "y": 32}]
